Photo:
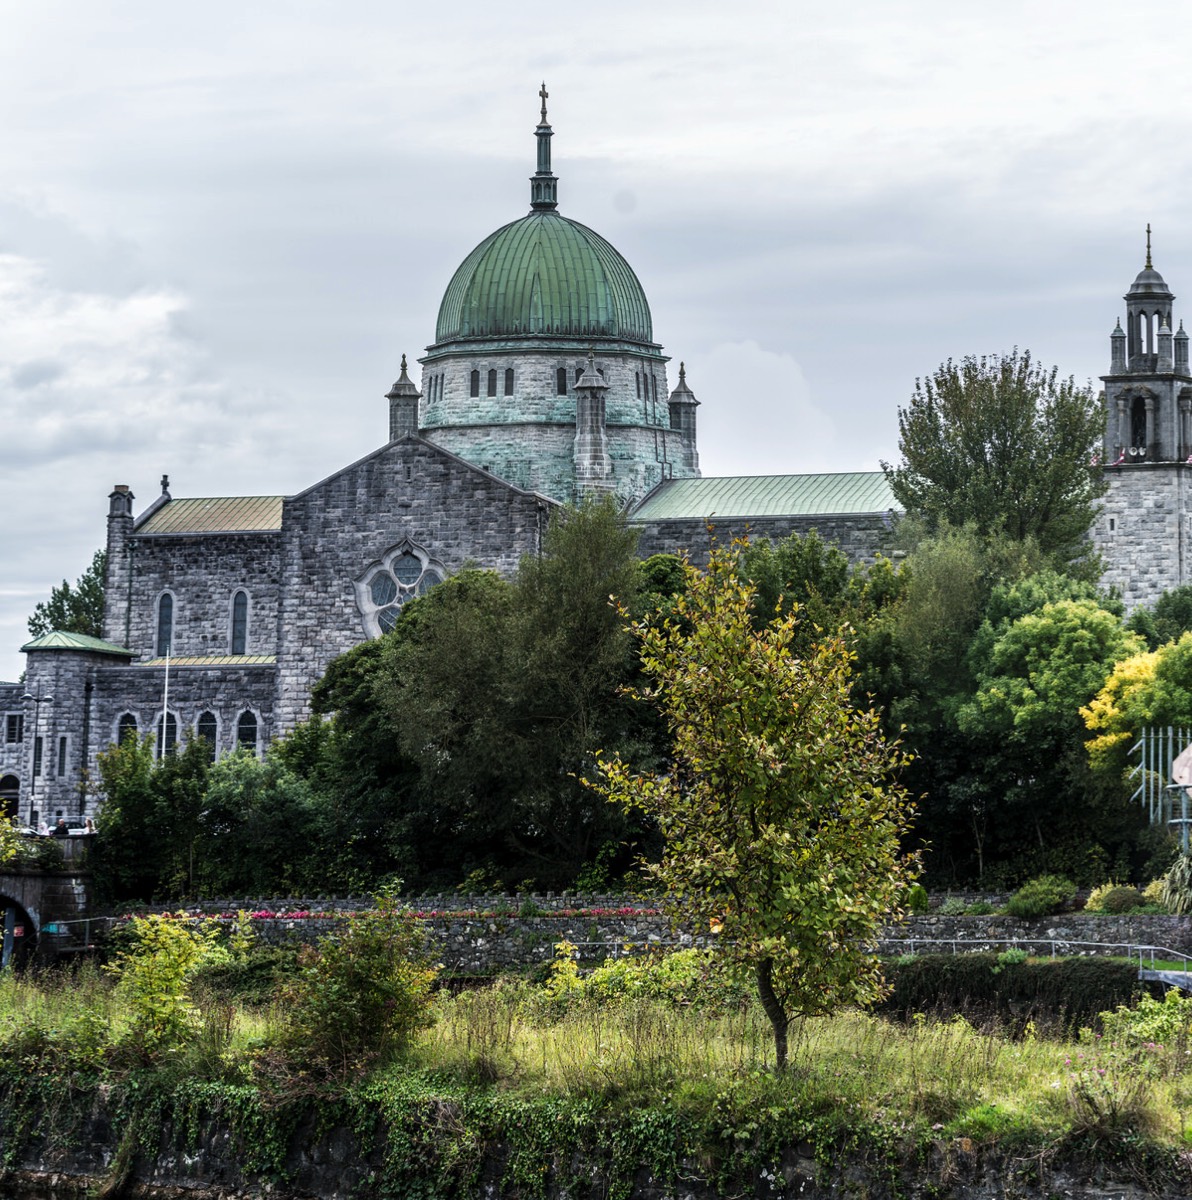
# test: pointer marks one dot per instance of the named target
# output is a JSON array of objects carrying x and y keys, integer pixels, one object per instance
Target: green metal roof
[
  {"x": 216, "y": 514},
  {"x": 768, "y": 496},
  {"x": 58, "y": 639},
  {"x": 544, "y": 274},
  {"x": 214, "y": 660}
]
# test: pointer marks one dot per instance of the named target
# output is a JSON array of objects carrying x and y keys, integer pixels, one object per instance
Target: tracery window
[
  {"x": 246, "y": 730},
  {"x": 240, "y": 623},
  {"x": 405, "y": 571},
  {"x": 126, "y": 726},
  {"x": 165, "y": 624}
]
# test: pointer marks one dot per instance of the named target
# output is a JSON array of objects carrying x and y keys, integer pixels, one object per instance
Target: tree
[
  {"x": 74, "y": 610},
  {"x": 780, "y": 819},
  {"x": 1170, "y": 617},
  {"x": 1004, "y": 443},
  {"x": 1034, "y": 674},
  {"x": 502, "y": 693}
]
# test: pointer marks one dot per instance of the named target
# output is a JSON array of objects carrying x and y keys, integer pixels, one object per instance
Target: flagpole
[{"x": 165, "y": 707}]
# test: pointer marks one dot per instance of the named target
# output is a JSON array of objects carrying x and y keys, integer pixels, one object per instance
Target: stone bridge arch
[
  {"x": 20, "y": 933},
  {"x": 41, "y": 903}
]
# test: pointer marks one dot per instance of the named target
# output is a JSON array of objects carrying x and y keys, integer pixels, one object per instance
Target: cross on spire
[
  {"x": 1148, "y": 237},
  {"x": 545, "y": 94}
]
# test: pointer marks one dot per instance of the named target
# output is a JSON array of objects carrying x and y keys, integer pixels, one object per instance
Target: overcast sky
[{"x": 222, "y": 224}]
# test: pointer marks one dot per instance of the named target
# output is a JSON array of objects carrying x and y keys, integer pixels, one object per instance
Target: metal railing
[{"x": 1055, "y": 948}]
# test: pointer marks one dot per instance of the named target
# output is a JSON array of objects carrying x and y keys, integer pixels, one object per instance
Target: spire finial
[
  {"x": 682, "y": 372},
  {"x": 1148, "y": 246},
  {"x": 544, "y": 187},
  {"x": 403, "y": 364}
]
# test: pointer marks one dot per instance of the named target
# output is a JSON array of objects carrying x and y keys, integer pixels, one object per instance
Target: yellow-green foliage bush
[
  {"x": 1113, "y": 898},
  {"x": 153, "y": 974},
  {"x": 1153, "y": 893}
]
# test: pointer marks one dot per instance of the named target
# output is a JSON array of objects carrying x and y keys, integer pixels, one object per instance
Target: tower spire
[
  {"x": 544, "y": 187},
  {"x": 1148, "y": 224}
]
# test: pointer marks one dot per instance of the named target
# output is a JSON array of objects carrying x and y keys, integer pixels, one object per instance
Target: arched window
[
  {"x": 637, "y": 379},
  {"x": 1138, "y": 425},
  {"x": 508, "y": 381},
  {"x": 168, "y": 739},
  {"x": 475, "y": 391},
  {"x": 240, "y": 623},
  {"x": 561, "y": 381},
  {"x": 246, "y": 730},
  {"x": 207, "y": 727},
  {"x": 165, "y": 624},
  {"x": 126, "y": 727},
  {"x": 10, "y": 794},
  {"x": 492, "y": 382},
  {"x": 579, "y": 374}
]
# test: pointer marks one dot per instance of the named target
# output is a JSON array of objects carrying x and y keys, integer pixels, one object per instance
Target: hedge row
[{"x": 1068, "y": 992}]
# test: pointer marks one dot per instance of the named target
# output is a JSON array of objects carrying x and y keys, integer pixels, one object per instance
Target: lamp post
[{"x": 38, "y": 766}]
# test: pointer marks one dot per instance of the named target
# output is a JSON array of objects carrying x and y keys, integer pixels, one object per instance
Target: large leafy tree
[
  {"x": 1034, "y": 673},
  {"x": 77, "y": 609},
  {"x": 780, "y": 816},
  {"x": 502, "y": 692},
  {"x": 1003, "y": 443}
]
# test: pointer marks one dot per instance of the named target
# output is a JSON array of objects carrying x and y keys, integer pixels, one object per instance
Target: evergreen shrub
[
  {"x": 1041, "y": 897},
  {"x": 1063, "y": 992}
]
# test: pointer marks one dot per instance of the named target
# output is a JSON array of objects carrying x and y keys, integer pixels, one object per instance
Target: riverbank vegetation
[{"x": 662, "y": 1063}]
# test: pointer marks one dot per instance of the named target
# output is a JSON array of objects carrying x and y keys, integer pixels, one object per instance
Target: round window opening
[{"x": 403, "y": 573}]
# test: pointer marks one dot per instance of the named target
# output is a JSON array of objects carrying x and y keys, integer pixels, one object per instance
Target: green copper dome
[{"x": 540, "y": 276}]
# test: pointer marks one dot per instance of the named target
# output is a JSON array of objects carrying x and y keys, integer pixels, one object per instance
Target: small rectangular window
[
  {"x": 61, "y": 757},
  {"x": 637, "y": 379},
  {"x": 474, "y": 389},
  {"x": 37, "y": 756},
  {"x": 1112, "y": 524},
  {"x": 492, "y": 382},
  {"x": 508, "y": 381},
  {"x": 15, "y": 728}
]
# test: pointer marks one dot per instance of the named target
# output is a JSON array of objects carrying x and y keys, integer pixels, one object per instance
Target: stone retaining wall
[{"x": 480, "y": 935}]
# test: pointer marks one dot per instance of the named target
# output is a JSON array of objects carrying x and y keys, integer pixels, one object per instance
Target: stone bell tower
[{"x": 1143, "y": 531}]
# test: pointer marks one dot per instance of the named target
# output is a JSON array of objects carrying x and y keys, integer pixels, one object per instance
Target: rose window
[{"x": 386, "y": 586}]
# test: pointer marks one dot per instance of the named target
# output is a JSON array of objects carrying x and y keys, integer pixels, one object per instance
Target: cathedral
[{"x": 543, "y": 385}]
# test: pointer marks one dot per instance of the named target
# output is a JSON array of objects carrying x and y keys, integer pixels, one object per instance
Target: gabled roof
[
  {"x": 840, "y": 494},
  {"x": 215, "y": 514},
  {"x": 58, "y": 639}
]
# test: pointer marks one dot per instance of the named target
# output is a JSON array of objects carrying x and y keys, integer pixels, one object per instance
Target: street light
[{"x": 37, "y": 701}]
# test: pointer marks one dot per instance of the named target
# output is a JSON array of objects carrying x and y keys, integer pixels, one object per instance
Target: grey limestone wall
[
  {"x": 335, "y": 531},
  {"x": 66, "y": 725},
  {"x": 487, "y": 934},
  {"x": 862, "y": 536},
  {"x": 12, "y": 752},
  {"x": 1144, "y": 530},
  {"x": 203, "y": 572},
  {"x": 224, "y": 691}
]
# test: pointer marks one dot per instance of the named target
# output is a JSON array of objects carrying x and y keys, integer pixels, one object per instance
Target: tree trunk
[{"x": 773, "y": 1009}]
